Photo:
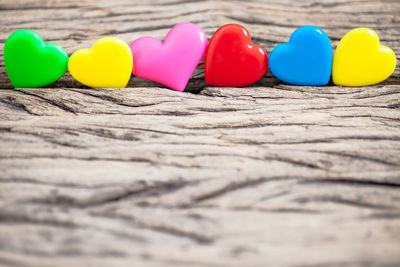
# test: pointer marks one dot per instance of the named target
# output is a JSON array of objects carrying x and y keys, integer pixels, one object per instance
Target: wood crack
[{"x": 57, "y": 104}]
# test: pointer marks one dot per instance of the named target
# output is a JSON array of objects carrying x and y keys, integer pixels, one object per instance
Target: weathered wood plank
[{"x": 270, "y": 174}]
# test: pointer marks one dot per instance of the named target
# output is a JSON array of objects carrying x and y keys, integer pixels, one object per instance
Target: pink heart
[{"x": 173, "y": 61}]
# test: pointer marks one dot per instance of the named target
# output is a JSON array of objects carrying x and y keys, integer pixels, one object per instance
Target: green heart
[{"x": 30, "y": 62}]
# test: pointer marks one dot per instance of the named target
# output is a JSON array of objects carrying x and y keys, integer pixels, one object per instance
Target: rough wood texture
[{"x": 265, "y": 175}]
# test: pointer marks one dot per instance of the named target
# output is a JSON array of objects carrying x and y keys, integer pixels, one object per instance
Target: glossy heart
[
  {"x": 108, "y": 64},
  {"x": 232, "y": 59},
  {"x": 360, "y": 60},
  {"x": 173, "y": 61},
  {"x": 305, "y": 60},
  {"x": 30, "y": 62}
]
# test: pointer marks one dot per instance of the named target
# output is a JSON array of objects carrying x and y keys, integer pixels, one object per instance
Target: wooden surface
[{"x": 266, "y": 175}]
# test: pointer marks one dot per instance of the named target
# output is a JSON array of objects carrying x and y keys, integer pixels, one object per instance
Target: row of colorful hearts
[{"x": 231, "y": 59}]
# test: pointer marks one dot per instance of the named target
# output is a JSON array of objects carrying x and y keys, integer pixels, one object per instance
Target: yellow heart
[
  {"x": 360, "y": 60},
  {"x": 108, "y": 64}
]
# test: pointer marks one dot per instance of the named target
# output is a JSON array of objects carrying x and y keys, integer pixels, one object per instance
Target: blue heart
[{"x": 305, "y": 60}]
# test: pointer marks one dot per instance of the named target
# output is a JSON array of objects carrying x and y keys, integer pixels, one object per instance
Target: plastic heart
[
  {"x": 108, "y": 64},
  {"x": 173, "y": 61},
  {"x": 232, "y": 59},
  {"x": 360, "y": 60},
  {"x": 305, "y": 60},
  {"x": 30, "y": 62}
]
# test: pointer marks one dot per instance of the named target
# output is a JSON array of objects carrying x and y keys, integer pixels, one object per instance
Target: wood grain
[{"x": 267, "y": 175}]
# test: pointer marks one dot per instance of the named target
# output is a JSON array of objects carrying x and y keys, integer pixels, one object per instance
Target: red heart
[{"x": 232, "y": 59}]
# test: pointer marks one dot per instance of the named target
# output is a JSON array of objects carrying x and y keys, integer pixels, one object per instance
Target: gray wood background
[{"x": 266, "y": 175}]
